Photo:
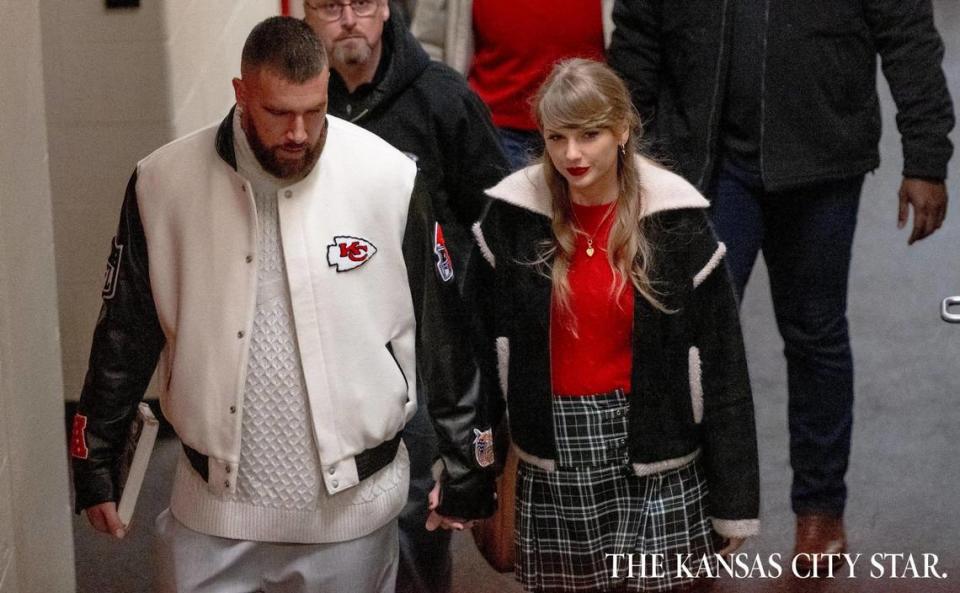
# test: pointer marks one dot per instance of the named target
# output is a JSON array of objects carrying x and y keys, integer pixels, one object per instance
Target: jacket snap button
[
  {"x": 288, "y": 193},
  {"x": 240, "y": 334},
  {"x": 233, "y": 409},
  {"x": 226, "y": 484},
  {"x": 249, "y": 258},
  {"x": 228, "y": 469},
  {"x": 331, "y": 471},
  {"x": 335, "y": 484}
]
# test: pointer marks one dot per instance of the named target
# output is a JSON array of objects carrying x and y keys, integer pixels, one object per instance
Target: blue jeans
[
  {"x": 806, "y": 235},
  {"x": 521, "y": 147}
]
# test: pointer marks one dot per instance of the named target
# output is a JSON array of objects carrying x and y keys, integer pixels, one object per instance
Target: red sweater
[
  {"x": 517, "y": 43},
  {"x": 598, "y": 358}
]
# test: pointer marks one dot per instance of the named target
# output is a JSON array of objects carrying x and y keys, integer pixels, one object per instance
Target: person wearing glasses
[
  {"x": 281, "y": 267},
  {"x": 382, "y": 80}
]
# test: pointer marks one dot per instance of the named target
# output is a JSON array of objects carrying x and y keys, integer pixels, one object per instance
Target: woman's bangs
[{"x": 566, "y": 106}]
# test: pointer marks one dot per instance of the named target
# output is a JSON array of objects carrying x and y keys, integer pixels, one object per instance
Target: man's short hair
[{"x": 285, "y": 45}]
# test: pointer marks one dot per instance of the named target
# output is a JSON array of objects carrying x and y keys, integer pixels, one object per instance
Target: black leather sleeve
[
  {"x": 127, "y": 342},
  {"x": 448, "y": 370}
]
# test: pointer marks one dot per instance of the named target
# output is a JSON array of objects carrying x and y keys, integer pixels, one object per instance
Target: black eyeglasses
[{"x": 332, "y": 11}]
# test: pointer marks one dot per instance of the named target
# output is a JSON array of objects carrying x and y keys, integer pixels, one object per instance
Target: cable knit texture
[{"x": 279, "y": 466}]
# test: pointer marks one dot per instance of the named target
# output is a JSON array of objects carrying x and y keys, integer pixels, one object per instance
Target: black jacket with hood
[{"x": 425, "y": 109}]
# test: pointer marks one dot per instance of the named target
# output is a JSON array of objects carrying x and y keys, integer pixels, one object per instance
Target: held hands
[
  {"x": 731, "y": 545},
  {"x": 104, "y": 518},
  {"x": 435, "y": 519},
  {"x": 929, "y": 201}
]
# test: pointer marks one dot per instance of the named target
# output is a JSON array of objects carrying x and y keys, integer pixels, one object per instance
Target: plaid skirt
[{"x": 569, "y": 520}]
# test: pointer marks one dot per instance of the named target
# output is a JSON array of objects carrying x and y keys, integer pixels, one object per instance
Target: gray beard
[{"x": 355, "y": 53}]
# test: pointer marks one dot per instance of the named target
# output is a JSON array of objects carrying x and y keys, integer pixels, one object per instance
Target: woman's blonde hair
[{"x": 581, "y": 94}]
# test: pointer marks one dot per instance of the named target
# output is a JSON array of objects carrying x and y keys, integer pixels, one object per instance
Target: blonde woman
[{"x": 613, "y": 335}]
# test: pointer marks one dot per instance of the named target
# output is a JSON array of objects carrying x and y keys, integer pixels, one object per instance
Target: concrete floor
[{"x": 903, "y": 478}]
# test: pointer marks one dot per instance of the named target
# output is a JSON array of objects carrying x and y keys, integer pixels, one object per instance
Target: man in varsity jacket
[{"x": 287, "y": 271}]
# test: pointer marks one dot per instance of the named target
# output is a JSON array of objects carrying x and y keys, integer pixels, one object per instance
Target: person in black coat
[
  {"x": 771, "y": 108},
  {"x": 382, "y": 80}
]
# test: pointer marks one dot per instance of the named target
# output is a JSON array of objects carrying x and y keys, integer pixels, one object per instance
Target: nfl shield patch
[
  {"x": 483, "y": 447},
  {"x": 441, "y": 255}
]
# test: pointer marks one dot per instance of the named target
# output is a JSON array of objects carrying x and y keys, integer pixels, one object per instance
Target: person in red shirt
[
  {"x": 612, "y": 334},
  {"x": 506, "y": 50}
]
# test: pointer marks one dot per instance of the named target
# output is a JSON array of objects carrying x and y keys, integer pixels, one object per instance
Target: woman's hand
[
  {"x": 104, "y": 518},
  {"x": 435, "y": 519},
  {"x": 731, "y": 545}
]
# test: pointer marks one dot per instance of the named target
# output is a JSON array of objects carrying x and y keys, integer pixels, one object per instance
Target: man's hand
[
  {"x": 929, "y": 201},
  {"x": 104, "y": 518},
  {"x": 435, "y": 519},
  {"x": 731, "y": 545}
]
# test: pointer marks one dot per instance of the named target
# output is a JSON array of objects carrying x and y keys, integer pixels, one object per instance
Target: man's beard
[
  {"x": 270, "y": 159},
  {"x": 353, "y": 51}
]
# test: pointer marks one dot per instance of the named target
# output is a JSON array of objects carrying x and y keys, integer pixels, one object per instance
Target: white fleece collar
[{"x": 662, "y": 190}]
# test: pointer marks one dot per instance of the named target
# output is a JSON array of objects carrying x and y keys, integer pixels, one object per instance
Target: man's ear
[
  {"x": 240, "y": 92},
  {"x": 386, "y": 9}
]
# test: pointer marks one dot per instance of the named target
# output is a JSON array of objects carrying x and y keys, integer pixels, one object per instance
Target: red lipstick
[{"x": 577, "y": 171}]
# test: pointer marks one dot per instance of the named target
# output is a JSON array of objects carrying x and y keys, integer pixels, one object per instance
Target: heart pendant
[{"x": 589, "y": 251}]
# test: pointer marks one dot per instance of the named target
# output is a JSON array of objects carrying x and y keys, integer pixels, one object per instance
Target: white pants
[{"x": 192, "y": 562}]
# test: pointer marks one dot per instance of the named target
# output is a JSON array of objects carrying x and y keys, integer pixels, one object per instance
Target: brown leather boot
[{"x": 819, "y": 534}]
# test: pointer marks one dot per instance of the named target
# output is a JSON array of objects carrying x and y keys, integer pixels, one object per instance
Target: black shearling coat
[{"x": 691, "y": 391}]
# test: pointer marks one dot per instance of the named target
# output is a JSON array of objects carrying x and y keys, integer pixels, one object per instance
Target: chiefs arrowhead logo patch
[
  {"x": 441, "y": 255},
  {"x": 483, "y": 447},
  {"x": 347, "y": 253}
]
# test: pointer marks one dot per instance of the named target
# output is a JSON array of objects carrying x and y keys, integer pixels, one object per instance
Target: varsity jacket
[
  {"x": 691, "y": 391},
  {"x": 373, "y": 298},
  {"x": 445, "y": 28}
]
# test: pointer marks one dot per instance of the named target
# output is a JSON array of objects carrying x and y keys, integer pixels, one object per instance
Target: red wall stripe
[{"x": 285, "y": 7}]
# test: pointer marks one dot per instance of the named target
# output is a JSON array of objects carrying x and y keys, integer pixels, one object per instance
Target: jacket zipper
[
  {"x": 763, "y": 84},
  {"x": 713, "y": 124}
]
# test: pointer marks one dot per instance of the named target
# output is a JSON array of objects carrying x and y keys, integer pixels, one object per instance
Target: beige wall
[
  {"x": 121, "y": 83},
  {"x": 203, "y": 43},
  {"x": 36, "y": 545}
]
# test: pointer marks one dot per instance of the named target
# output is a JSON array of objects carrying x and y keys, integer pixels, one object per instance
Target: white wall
[
  {"x": 121, "y": 83},
  {"x": 36, "y": 545},
  {"x": 203, "y": 43},
  {"x": 106, "y": 80}
]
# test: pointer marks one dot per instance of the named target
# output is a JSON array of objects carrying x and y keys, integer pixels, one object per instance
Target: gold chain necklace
[{"x": 590, "y": 250}]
